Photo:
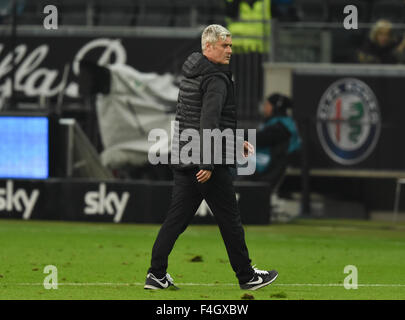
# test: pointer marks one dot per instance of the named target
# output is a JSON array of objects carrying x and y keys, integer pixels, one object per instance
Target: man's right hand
[{"x": 203, "y": 175}]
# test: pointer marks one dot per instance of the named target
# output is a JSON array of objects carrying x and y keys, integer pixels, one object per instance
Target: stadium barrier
[{"x": 114, "y": 201}]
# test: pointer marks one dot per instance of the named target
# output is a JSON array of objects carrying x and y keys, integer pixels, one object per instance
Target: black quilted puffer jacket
[{"x": 206, "y": 101}]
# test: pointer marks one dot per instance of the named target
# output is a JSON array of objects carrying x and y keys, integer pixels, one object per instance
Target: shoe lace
[{"x": 259, "y": 271}]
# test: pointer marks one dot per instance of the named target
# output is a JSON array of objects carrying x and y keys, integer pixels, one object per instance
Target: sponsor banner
[
  {"x": 348, "y": 121},
  {"x": 30, "y": 199},
  {"x": 21, "y": 200},
  {"x": 41, "y": 61},
  {"x": 99, "y": 201},
  {"x": 353, "y": 122},
  {"x": 116, "y": 202}
]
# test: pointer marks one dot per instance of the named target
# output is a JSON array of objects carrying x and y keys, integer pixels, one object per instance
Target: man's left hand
[{"x": 248, "y": 149}]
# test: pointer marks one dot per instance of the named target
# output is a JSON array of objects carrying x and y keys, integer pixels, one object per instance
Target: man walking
[{"x": 206, "y": 101}]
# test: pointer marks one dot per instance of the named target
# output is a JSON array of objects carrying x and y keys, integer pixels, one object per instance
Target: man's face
[
  {"x": 220, "y": 51},
  {"x": 268, "y": 109}
]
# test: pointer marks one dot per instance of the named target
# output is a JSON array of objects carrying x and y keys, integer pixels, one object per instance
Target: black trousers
[{"x": 219, "y": 193}]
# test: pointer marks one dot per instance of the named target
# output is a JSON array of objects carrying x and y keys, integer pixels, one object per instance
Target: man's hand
[
  {"x": 203, "y": 175},
  {"x": 248, "y": 149}
]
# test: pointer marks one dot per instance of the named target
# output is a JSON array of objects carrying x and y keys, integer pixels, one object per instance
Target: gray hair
[{"x": 213, "y": 33}]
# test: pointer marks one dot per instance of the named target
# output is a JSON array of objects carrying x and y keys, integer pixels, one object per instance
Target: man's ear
[{"x": 209, "y": 46}]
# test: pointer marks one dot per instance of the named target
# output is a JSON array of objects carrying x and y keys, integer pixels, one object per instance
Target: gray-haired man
[{"x": 206, "y": 101}]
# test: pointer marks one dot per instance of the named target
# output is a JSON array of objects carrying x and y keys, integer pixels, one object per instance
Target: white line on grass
[{"x": 112, "y": 284}]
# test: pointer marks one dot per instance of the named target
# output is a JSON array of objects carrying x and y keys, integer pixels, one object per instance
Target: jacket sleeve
[
  {"x": 214, "y": 94},
  {"x": 272, "y": 135}
]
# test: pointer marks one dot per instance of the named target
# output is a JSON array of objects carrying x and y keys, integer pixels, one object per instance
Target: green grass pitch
[{"x": 109, "y": 261}]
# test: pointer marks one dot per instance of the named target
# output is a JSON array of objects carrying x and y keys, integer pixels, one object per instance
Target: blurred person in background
[
  {"x": 249, "y": 21},
  {"x": 276, "y": 139},
  {"x": 382, "y": 46}
]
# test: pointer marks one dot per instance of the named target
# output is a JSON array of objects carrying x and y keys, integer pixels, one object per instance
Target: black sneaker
[
  {"x": 260, "y": 279},
  {"x": 154, "y": 283}
]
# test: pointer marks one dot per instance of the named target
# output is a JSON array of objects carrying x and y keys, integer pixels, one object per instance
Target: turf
[{"x": 109, "y": 261}]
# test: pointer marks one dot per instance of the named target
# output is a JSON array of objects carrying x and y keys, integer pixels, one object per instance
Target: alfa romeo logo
[{"x": 349, "y": 121}]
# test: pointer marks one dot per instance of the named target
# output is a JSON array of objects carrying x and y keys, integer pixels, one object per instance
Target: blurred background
[{"x": 82, "y": 83}]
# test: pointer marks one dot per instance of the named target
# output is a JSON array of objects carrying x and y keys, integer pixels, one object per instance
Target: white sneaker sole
[{"x": 149, "y": 286}]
